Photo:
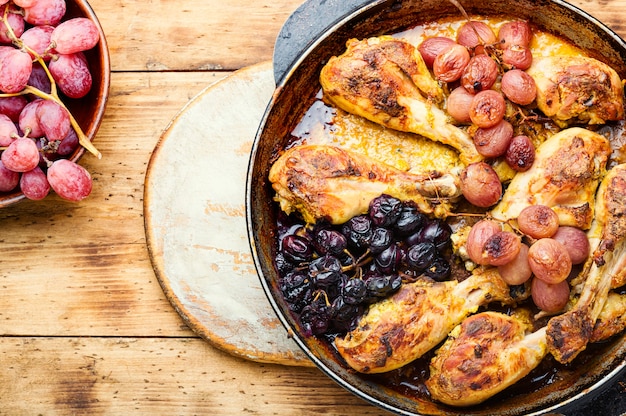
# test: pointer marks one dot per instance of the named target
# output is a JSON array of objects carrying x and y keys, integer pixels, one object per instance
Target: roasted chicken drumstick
[
  {"x": 577, "y": 89},
  {"x": 569, "y": 333},
  {"x": 490, "y": 351},
  {"x": 326, "y": 182},
  {"x": 484, "y": 355},
  {"x": 385, "y": 80},
  {"x": 402, "y": 328},
  {"x": 565, "y": 175}
]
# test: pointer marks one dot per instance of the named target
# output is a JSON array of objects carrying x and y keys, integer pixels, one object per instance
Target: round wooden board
[{"x": 194, "y": 206}]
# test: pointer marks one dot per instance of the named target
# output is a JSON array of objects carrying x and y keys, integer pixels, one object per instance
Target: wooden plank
[
  {"x": 153, "y": 376},
  {"x": 83, "y": 269},
  {"x": 203, "y": 37},
  {"x": 200, "y": 36}
]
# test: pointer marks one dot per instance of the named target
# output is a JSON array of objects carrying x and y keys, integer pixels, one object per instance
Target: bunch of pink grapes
[{"x": 42, "y": 59}]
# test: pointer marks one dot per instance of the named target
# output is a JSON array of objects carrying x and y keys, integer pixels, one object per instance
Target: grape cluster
[
  {"x": 544, "y": 253},
  {"x": 471, "y": 66},
  {"x": 329, "y": 274},
  {"x": 39, "y": 55}
]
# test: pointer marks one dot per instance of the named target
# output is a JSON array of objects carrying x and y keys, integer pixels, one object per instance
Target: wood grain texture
[
  {"x": 193, "y": 35},
  {"x": 155, "y": 376}
]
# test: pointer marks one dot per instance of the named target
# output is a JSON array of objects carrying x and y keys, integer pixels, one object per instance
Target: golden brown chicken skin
[
  {"x": 400, "y": 329},
  {"x": 385, "y": 80},
  {"x": 484, "y": 355},
  {"x": 334, "y": 184},
  {"x": 565, "y": 175},
  {"x": 577, "y": 89}
]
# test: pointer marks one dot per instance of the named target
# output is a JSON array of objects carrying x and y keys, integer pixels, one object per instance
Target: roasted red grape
[
  {"x": 575, "y": 241},
  {"x": 450, "y": 64},
  {"x": 501, "y": 248},
  {"x": 475, "y": 33},
  {"x": 517, "y": 57},
  {"x": 487, "y": 108},
  {"x": 519, "y": 87},
  {"x": 538, "y": 221},
  {"x": 431, "y": 47},
  {"x": 517, "y": 271},
  {"x": 493, "y": 141},
  {"x": 549, "y": 260},
  {"x": 480, "y": 185},
  {"x": 458, "y": 105},
  {"x": 477, "y": 237},
  {"x": 480, "y": 74},
  {"x": 516, "y": 32},
  {"x": 520, "y": 155},
  {"x": 551, "y": 298}
]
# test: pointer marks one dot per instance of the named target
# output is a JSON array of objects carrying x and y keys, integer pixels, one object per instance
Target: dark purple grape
[
  {"x": 330, "y": 241},
  {"x": 344, "y": 314},
  {"x": 282, "y": 265},
  {"x": 384, "y": 210},
  {"x": 381, "y": 239},
  {"x": 420, "y": 256},
  {"x": 325, "y": 271},
  {"x": 297, "y": 290},
  {"x": 354, "y": 291},
  {"x": 388, "y": 260},
  {"x": 380, "y": 286},
  {"x": 297, "y": 249},
  {"x": 315, "y": 317},
  {"x": 439, "y": 270},
  {"x": 437, "y": 232},
  {"x": 359, "y": 231},
  {"x": 409, "y": 220}
]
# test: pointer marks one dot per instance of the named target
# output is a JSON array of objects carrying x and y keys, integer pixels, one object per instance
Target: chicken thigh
[
  {"x": 565, "y": 175},
  {"x": 484, "y": 355},
  {"x": 385, "y": 80},
  {"x": 327, "y": 182},
  {"x": 576, "y": 89},
  {"x": 402, "y": 328},
  {"x": 569, "y": 333}
]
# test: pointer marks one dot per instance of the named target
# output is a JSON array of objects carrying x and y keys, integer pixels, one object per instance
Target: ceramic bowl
[{"x": 88, "y": 110}]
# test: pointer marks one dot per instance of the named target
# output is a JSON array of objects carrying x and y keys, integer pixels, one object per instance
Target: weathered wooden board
[
  {"x": 195, "y": 219},
  {"x": 158, "y": 376}
]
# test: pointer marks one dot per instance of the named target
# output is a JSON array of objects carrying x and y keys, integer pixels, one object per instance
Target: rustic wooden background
[{"x": 84, "y": 325}]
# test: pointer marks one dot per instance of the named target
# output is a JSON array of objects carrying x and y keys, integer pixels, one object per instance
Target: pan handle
[{"x": 306, "y": 24}]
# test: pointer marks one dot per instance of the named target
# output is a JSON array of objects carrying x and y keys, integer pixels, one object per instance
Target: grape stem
[{"x": 54, "y": 95}]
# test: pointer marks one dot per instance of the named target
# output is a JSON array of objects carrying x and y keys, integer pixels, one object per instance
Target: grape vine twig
[{"x": 53, "y": 95}]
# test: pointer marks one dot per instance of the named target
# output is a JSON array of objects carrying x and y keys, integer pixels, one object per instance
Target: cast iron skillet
[{"x": 294, "y": 94}]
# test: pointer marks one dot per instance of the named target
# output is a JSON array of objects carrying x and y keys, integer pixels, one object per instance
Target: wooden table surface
[{"x": 84, "y": 325}]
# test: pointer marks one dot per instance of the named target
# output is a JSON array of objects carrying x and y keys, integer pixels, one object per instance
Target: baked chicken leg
[
  {"x": 327, "y": 182},
  {"x": 565, "y": 175},
  {"x": 402, "y": 328},
  {"x": 576, "y": 89},
  {"x": 569, "y": 333},
  {"x": 612, "y": 318},
  {"x": 485, "y": 354},
  {"x": 385, "y": 80}
]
